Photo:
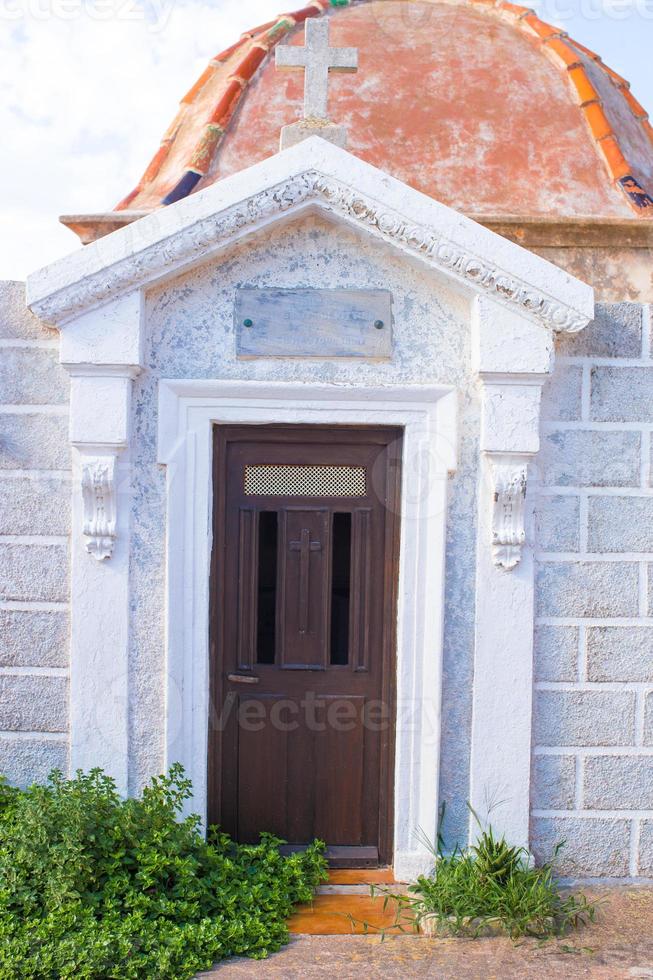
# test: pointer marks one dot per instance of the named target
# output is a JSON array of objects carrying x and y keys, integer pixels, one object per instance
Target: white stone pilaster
[
  {"x": 101, "y": 351},
  {"x": 512, "y": 357}
]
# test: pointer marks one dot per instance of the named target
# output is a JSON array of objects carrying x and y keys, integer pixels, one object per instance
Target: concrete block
[
  {"x": 587, "y": 589},
  {"x": 34, "y": 639},
  {"x": 593, "y": 848},
  {"x": 616, "y": 331},
  {"x": 32, "y": 377},
  {"x": 556, "y": 653},
  {"x": 620, "y": 653},
  {"x": 646, "y": 848},
  {"x": 648, "y": 719},
  {"x": 561, "y": 395},
  {"x": 557, "y": 524},
  {"x": 617, "y": 524},
  {"x": 554, "y": 782},
  {"x": 16, "y": 321},
  {"x": 27, "y": 761},
  {"x": 584, "y": 718},
  {"x": 34, "y": 572},
  {"x": 618, "y": 783},
  {"x": 31, "y": 506},
  {"x": 622, "y": 394},
  {"x": 33, "y": 704},
  {"x": 34, "y": 442},
  {"x": 583, "y": 458}
]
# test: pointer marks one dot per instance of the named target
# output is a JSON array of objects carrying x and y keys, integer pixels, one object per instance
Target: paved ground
[{"x": 619, "y": 946}]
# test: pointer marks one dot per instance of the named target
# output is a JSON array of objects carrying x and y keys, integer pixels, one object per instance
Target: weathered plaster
[
  {"x": 616, "y": 273},
  {"x": 189, "y": 333},
  {"x": 506, "y": 141}
]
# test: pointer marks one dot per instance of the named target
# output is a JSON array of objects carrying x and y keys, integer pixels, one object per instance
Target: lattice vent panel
[{"x": 287, "y": 480}]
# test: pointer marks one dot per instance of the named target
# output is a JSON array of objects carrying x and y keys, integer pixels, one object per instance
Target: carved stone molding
[
  {"x": 509, "y": 477},
  {"x": 202, "y": 238},
  {"x": 99, "y": 500},
  {"x": 464, "y": 265}
]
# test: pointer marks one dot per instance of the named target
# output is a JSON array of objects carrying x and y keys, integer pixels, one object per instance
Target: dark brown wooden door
[{"x": 302, "y": 629}]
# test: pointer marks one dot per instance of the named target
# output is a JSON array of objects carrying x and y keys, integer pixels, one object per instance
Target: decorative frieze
[
  {"x": 503, "y": 284},
  {"x": 99, "y": 500},
  {"x": 198, "y": 239},
  {"x": 508, "y": 509}
]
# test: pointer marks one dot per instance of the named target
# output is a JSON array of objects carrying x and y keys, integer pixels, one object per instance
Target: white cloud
[
  {"x": 87, "y": 88},
  {"x": 84, "y": 102}
]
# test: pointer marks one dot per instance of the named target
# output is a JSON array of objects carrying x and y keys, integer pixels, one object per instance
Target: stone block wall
[
  {"x": 593, "y": 490},
  {"x": 35, "y": 474}
]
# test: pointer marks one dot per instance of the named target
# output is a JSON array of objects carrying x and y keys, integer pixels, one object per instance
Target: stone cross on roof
[{"x": 317, "y": 59}]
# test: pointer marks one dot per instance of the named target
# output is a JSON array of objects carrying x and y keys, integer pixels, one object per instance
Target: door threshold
[
  {"x": 361, "y": 876},
  {"x": 342, "y": 857}
]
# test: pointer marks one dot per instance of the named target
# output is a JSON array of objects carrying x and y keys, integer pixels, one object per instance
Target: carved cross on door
[
  {"x": 304, "y": 546},
  {"x": 317, "y": 59}
]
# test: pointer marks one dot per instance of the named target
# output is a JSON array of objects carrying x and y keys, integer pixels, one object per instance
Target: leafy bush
[
  {"x": 489, "y": 886},
  {"x": 93, "y": 886}
]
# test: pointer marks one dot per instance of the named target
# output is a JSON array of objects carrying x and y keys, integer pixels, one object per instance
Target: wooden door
[{"x": 303, "y": 609}]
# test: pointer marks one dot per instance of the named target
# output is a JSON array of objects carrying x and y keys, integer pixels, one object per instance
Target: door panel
[
  {"x": 262, "y": 770},
  {"x": 304, "y": 566},
  {"x": 339, "y": 776},
  {"x": 303, "y": 594}
]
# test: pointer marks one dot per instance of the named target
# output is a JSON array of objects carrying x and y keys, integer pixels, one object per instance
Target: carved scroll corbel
[
  {"x": 508, "y": 532},
  {"x": 99, "y": 500}
]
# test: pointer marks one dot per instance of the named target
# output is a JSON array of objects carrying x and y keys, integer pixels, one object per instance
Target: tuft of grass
[{"x": 489, "y": 886}]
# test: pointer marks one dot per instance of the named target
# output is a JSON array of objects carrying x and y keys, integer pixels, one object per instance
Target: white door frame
[{"x": 188, "y": 410}]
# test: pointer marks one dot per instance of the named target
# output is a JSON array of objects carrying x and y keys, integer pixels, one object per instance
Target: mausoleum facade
[{"x": 326, "y": 469}]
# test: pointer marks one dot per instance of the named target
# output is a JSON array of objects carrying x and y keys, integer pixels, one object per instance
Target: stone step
[
  {"x": 361, "y": 876},
  {"x": 343, "y": 914}
]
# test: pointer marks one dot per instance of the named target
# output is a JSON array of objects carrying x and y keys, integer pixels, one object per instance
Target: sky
[{"x": 87, "y": 88}]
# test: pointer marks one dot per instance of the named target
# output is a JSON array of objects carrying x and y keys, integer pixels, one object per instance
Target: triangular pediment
[{"x": 312, "y": 176}]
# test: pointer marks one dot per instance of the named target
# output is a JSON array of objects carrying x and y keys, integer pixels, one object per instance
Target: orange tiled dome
[{"x": 478, "y": 104}]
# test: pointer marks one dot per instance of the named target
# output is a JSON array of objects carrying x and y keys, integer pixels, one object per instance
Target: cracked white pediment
[{"x": 314, "y": 175}]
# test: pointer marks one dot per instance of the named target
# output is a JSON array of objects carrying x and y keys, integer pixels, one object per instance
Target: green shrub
[{"x": 93, "y": 886}]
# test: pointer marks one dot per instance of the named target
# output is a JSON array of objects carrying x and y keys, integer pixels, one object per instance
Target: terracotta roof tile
[
  {"x": 584, "y": 88},
  {"x": 566, "y": 52},
  {"x": 512, "y": 11},
  {"x": 244, "y": 38},
  {"x": 637, "y": 108},
  {"x": 195, "y": 89},
  {"x": 201, "y": 159},
  {"x": 227, "y": 101},
  {"x": 241, "y": 61},
  {"x": 539, "y": 27},
  {"x": 563, "y": 53},
  {"x": 587, "y": 51},
  {"x": 616, "y": 161},
  {"x": 597, "y": 120}
]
